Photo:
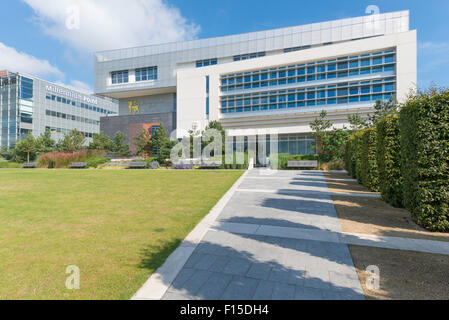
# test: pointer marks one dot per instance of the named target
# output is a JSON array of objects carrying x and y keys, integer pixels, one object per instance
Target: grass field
[{"x": 116, "y": 226}]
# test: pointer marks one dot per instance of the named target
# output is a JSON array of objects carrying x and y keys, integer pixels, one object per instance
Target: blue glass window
[
  {"x": 301, "y": 72},
  {"x": 354, "y": 91},
  {"x": 365, "y": 71},
  {"x": 310, "y": 70},
  {"x": 144, "y": 74},
  {"x": 120, "y": 77},
  {"x": 389, "y": 59},
  {"x": 377, "y": 88},
  {"x": 377, "y": 61},
  {"x": 354, "y": 64},
  {"x": 342, "y": 65},
  {"x": 366, "y": 63},
  {"x": 331, "y": 93},
  {"x": 331, "y": 67}
]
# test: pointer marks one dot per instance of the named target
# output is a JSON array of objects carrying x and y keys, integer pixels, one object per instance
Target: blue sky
[{"x": 34, "y": 36}]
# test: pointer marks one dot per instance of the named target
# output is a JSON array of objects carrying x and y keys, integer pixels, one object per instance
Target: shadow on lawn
[{"x": 155, "y": 255}]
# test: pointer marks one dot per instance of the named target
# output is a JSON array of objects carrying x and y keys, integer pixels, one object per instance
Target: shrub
[
  {"x": 64, "y": 159},
  {"x": 424, "y": 131},
  {"x": 96, "y": 161},
  {"x": 368, "y": 160},
  {"x": 389, "y": 160},
  {"x": 4, "y": 164}
]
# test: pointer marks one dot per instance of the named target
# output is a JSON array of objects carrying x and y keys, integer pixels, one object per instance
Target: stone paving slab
[{"x": 278, "y": 245}]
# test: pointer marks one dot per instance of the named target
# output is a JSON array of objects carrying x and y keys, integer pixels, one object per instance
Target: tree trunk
[{"x": 28, "y": 157}]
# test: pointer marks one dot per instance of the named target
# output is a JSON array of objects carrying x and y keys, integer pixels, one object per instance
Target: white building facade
[{"x": 279, "y": 79}]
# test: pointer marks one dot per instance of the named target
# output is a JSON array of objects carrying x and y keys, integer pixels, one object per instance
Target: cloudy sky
[{"x": 45, "y": 38}]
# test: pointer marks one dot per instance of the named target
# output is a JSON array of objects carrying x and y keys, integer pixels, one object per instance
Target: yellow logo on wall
[{"x": 133, "y": 107}]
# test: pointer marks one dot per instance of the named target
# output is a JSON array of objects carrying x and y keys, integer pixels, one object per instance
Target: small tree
[
  {"x": 142, "y": 143},
  {"x": 27, "y": 145},
  {"x": 383, "y": 109},
  {"x": 158, "y": 140},
  {"x": 120, "y": 147},
  {"x": 45, "y": 143},
  {"x": 101, "y": 142},
  {"x": 357, "y": 122},
  {"x": 72, "y": 142},
  {"x": 319, "y": 128}
]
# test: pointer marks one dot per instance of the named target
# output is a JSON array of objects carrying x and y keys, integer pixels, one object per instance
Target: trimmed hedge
[
  {"x": 357, "y": 155},
  {"x": 424, "y": 128},
  {"x": 369, "y": 174},
  {"x": 389, "y": 160}
]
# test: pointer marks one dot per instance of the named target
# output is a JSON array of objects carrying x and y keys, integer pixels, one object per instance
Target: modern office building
[
  {"x": 29, "y": 104},
  {"x": 277, "y": 79}
]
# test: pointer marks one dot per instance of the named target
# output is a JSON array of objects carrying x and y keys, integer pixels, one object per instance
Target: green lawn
[{"x": 116, "y": 226}]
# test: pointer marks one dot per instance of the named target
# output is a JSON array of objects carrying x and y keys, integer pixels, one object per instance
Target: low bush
[
  {"x": 5, "y": 164},
  {"x": 64, "y": 159},
  {"x": 96, "y": 161},
  {"x": 424, "y": 131},
  {"x": 389, "y": 160},
  {"x": 368, "y": 162}
]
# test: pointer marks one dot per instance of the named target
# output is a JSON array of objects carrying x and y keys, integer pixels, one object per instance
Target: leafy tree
[
  {"x": 320, "y": 126},
  {"x": 120, "y": 147},
  {"x": 28, "y": 146},
  {"x": 142, "y": 143},
  {"x": 101, "y": 142},
  {"x": 333, "y": 145},
  {"x": 72, "y": 142},
  {"x": 158, "y": 140},
  {"x": 357, "y": 122},
  {"x": 45, "y": 143}
]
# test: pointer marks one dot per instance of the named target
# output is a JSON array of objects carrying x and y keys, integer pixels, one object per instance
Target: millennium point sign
[{"x": 71, "y": 94}]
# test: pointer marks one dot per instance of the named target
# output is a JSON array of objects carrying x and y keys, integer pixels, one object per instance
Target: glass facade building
[
  {"x": 31, "y": 105},
  {"x": 278, "y": 80}
]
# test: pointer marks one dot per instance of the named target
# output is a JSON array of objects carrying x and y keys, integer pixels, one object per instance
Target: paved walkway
[
  {"x": 272, "y": 236},
  {"x": 232, "y": 262}
]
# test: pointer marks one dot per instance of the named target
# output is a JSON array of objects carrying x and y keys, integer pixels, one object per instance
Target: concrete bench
[
  {"x": 137, "y": 165},
  {"x": 302, "y": 164},
  {"x": 30, "y": 165},
  {"x": 78, "y": 165}
]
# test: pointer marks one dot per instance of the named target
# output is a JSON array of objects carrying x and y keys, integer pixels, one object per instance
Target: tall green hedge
[
  {"x": 369, "y": 174},
  {"x": 389, "y": 160},
  {"x": 349, "y": 157},
  {"x": 424, "y": 130},
  {"x": 357, "y": 154}
]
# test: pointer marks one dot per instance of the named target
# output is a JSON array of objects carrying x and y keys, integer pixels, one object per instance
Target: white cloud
[
  {"x": 112, "y": 24},
  {"x": 15, "y": 61}
]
